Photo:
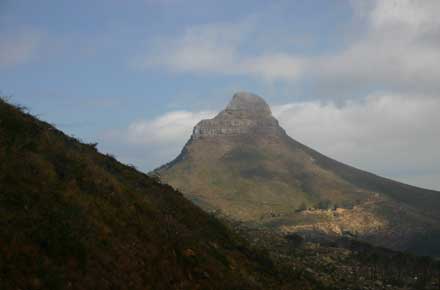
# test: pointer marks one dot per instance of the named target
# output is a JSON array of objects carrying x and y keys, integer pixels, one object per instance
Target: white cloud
[
  {"x": 153, "y": 142},
  {"x": 18, "y": 47},
  {"x": 401, "y": 50},
  {"x": 413, "y": 14},
  {"x": 394, "y": 135},
  {"x": 171, "y": 128},
  {"x": 217, "y": 48}
]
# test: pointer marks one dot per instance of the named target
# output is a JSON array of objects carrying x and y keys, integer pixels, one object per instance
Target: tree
[
  {"x": 324, "y": 204},
  {"x": 302, "y": 207}
]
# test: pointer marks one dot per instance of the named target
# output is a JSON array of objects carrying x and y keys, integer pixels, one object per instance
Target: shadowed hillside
[{"x": 72, "y": 218}]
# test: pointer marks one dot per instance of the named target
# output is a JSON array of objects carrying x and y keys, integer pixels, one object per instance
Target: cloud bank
[
  {"x": 171, "y": 128},
  {"x": 392, "y": 135},
  {"x": 152, "y": 142},
  {"x": 400, "y": 50}
]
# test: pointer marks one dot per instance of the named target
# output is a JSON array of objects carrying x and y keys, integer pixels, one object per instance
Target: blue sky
[{"x": 357, "y": 80}]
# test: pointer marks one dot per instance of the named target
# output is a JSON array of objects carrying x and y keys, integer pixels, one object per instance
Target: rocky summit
[
  {"x": 242, "y": 165},
  {"x": 246, "y": 114}
]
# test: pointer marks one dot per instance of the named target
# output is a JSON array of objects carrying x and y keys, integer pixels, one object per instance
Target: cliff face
[
  {"x": 245, "y": 114},
  {"x": 243, "y": 165}
]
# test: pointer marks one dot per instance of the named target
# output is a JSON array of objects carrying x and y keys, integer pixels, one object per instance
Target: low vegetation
[
  {"x": 72, "y": 218},
  {"x": 344, "y": 263}
]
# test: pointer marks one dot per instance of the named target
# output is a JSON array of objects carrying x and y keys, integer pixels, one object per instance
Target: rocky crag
[{"x": 245, "y": 114}]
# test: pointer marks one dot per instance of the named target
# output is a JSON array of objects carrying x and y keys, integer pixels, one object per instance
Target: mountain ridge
[{"x": 245, "y": 166}]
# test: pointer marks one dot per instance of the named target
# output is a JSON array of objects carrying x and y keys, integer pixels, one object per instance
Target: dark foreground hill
[
  {"x": 243, "y": 165},
  {"x": 72, "y": 218}
]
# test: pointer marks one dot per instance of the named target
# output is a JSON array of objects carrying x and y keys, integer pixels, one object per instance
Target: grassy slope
[
  {"x": 423, "y": 199},
  {"x": 284, "y": 171},
  {"x": 76, "y": 219},
  {"x": 250, "y": 177},
  {"x": 263, "y": 179}
]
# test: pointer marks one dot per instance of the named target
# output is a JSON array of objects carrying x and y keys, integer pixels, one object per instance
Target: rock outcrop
[{"x": 246, "y": 113}]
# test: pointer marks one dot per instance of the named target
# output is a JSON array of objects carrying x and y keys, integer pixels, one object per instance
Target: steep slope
[
  {"x": 243, "y": 165},
  {"x": 72, "y": 218}
]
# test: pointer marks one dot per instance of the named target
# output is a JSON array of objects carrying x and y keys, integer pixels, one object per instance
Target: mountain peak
[
  {"x": 247, "y": 113},
  {"x": 250, "y": 103},
  {"x": 244, "y": 165}
]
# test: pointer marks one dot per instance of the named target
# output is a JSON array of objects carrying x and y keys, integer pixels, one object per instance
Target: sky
[{"x": 357, "y": 80}]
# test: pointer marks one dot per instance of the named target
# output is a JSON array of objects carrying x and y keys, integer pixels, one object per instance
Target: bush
[{"x": 324, "y": 204}]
